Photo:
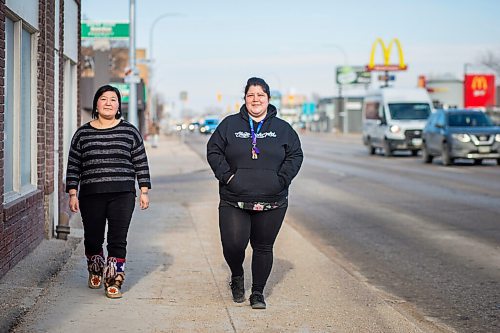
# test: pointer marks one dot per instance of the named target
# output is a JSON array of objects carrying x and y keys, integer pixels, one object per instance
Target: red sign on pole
[{"x": 479, "y": 90}]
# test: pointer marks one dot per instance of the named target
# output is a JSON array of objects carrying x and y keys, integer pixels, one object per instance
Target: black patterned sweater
[{"x": 107, "y": 160}]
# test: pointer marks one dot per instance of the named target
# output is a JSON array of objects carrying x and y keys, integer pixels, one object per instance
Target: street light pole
[
  {"x": 152, "y": 106},
  {"x": 338, "y": 47},
  {"x": 132, "y": 104},
  {"x": 464, "y": 90}
]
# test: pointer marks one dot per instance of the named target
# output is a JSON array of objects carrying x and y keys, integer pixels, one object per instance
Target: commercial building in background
[
  {"x": 105, "y": 52},
  {"x": 446, "y": 91},
  {"x": 110, "y": 67},
  {"x": 328, "y": 118},
  {"x": 38, "y": 106},
  {"x": 477, "y": 91}
]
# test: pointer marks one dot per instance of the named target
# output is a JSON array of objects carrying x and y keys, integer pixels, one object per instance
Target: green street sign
[
  {"x": 111, "y": 30},
  {"x": 124, "y": 90}
]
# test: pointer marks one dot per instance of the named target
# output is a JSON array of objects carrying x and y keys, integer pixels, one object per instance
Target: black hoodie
[{"x": 266, "y": 179}]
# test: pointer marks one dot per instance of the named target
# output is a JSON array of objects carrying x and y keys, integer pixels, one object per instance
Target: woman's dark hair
[
  {"x": 99, "y": 93},
  {"x": 255, "y": 81}
]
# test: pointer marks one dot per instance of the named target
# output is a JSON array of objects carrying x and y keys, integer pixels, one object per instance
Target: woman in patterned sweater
[{"x": 106, "y": 157}]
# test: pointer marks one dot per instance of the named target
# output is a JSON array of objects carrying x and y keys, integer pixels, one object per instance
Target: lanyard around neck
[
  {"x": 254, "y": 133},
  {"x": 255, "y": 150}
]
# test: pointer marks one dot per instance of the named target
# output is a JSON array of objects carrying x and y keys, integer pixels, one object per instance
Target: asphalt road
[{"x": 428, "y": 234}]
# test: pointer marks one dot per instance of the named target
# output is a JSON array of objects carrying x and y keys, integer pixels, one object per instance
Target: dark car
[{"x": 456, "y": 133}]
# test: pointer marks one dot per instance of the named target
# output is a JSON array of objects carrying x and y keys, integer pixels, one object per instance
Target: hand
[
  {"x": 144, "y": 200},
  {"x": 74, "y": 204}
]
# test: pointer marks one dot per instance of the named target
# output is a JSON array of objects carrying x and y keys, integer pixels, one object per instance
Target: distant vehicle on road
[
  {"x": 193, "y": 126},
  {"x": 209, "y": 125},
  {"x": 393, "y": 119},
  {"x": 456, "y": 133}
]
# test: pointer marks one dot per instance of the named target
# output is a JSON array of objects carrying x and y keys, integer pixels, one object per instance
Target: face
[
  {"x": 107, "y": 105},
  {"x": 256, "y": 101}
]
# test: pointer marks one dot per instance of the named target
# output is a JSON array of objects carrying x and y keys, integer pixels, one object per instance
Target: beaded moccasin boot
[
  {"x": 95, "y": 265},
  {"x": 114, "y": 275}
]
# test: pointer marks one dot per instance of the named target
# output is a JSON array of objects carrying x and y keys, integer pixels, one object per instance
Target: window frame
[
  {"x": 69, "y": 107},
  {"x": 15, "y": 106}
]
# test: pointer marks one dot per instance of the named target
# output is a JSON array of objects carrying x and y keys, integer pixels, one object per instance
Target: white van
[{"x": 393, "y": 119}]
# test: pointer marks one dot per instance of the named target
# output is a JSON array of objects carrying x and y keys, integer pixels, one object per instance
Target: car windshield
[
  {"x": 211, "y": 122},
  {"x": 409, "y": 111},
  {"x": 476, "y": 119}
]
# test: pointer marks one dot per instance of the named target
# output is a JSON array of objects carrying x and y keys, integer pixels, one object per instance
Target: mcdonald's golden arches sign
[
  {"x": 387, "y": 52},
  {"x": 479, "y": 90}
]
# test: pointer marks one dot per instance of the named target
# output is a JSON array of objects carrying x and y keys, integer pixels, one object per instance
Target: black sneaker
[
  {"x": 257, "y": 300},
  {"x": 238, "y": 288}
]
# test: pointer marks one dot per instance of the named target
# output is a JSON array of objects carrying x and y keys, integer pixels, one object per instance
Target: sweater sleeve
[
  {"x": 293, "y": 159},
  {"x": 140, "y": 162},
  {"x": 216, "y": 148},
  {"x": 74, "y": 167}
]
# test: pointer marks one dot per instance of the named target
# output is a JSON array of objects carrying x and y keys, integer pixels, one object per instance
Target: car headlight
[
  {"x": 395, "y": 129},
  {"x": 461, "y": 137},
  {"x": 497, "y": 138}
]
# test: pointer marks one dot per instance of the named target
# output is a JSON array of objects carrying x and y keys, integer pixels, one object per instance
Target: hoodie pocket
[{"x": 255, "y": 182}]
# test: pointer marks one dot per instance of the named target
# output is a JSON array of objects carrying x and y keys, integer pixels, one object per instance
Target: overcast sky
[{"x": 215, "y": 46}]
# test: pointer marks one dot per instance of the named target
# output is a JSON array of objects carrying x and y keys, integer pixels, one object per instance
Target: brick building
[{"x": 39, "y": 56}]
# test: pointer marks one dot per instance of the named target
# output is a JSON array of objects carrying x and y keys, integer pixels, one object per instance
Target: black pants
[
  {"x": 237, "y": 227},
  {"x": 117, "y": 209}
]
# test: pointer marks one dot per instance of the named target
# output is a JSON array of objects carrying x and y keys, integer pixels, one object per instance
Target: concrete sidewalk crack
[{"x": 211, "y": 271}]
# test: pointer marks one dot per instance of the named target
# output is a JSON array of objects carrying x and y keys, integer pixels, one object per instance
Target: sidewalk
[{"x": 177, "y": 280}]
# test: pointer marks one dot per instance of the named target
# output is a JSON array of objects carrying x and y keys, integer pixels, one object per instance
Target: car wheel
[
  {"x": 387, "y": 149},
  {"x": 425, "y": 154},
  {"x": 478, "y": 162},
  {"x": 447, "y": 160},
  {"x": 414, "y": 152},
  {"x": 498, "y": 161},
  {"x": 371, "y": 149}
]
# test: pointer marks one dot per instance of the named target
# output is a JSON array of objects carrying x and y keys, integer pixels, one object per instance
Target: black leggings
[
  {"x": 117, "y": 209},
  {"x": 237, "y": 227}
]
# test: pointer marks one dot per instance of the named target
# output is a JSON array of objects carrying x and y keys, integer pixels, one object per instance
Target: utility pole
[
  {"x": 132, "y": 78},
  {"x": 339, "y": 110},
  {"x": 340, "y": 105}
]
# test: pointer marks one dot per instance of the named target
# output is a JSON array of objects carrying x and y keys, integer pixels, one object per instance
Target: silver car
[{"x": 455, "y": 133}]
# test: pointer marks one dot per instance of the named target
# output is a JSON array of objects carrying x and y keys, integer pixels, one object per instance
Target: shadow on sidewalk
[{"x": 280, "y": 269}]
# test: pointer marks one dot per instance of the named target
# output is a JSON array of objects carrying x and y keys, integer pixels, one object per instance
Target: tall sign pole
[{"x": 132, "y": 77}]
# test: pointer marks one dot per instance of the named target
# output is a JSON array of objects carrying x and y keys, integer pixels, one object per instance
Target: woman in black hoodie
[{"x": 255, "y": 156}]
